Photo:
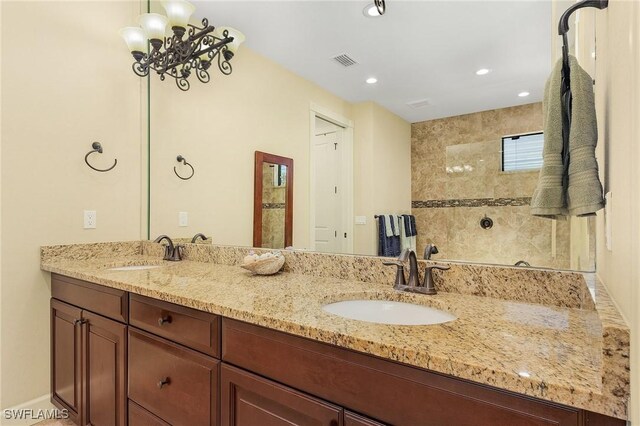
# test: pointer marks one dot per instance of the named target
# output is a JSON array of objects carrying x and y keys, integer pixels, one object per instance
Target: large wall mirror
[{"x": 432, "y": 110}]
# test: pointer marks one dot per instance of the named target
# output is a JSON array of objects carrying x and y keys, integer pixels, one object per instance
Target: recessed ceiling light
[
  {"x": 483, "y": 71},
  {"x": 371, "y": 11},
  {"x": 372, "y": 80},
  {"x": 523, "y": 94}
]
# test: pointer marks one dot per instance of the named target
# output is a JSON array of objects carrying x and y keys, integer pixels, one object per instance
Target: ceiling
[{"x": 419, "y": 50}]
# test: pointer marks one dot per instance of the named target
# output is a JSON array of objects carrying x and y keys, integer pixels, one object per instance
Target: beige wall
[
  {"x": 475, "y": 141},
  {"x": 618, "y": 106},
  {"x": 263, "y": 107},
  {"x": 382, "y": 170},
  {"x": 218, "y": 126},
  {"x": 66, "y": 81}
]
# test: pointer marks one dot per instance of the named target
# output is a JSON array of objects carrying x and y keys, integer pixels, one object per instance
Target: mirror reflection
[
  {"x": 273, "y": 200},
  {"x": 443, "y": 129}
]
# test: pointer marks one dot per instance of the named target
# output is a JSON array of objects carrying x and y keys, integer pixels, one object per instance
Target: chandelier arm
[
  {"x": 183, "y": 84},
  {"x": 203, "y": 75},
  {"x": 223, "y": 65},
  {"x": 140, "y": 69},
  {"x": 205, "y": 24},
  {"x": 217, "y": 45},
  {"x": 203, "y": 32}
]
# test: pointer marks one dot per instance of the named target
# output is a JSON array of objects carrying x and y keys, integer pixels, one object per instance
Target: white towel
[
  {"x": 390, "y": 230},
  {"x": 396, "y": 224}
]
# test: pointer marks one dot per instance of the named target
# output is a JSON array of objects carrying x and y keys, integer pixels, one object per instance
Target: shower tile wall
[
  {"x": 457, "y": 179},
  {"x": 273, "y": 209}
]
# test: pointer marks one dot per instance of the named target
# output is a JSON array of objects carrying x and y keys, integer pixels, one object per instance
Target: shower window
[{"x": 522, "y": 152}]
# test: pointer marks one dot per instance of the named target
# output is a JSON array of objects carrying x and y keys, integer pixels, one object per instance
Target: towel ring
[
  {"x": 98, "y": 148},
  {"x": 183, "y": 160}
]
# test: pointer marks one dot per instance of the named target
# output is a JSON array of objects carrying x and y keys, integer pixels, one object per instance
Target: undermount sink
[
  {"x": 388, "y": 312},
  {"x": 135, "y": 267}
]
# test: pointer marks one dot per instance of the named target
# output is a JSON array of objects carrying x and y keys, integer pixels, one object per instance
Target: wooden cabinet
[
  {"x": 119, "y": 359},
  {"x": 195, "y": 329},
  {"x": 88, "y": 370},
  {"x": 138, "y": 416},
  {"x": 105, "y": 380},
  {"x": 393, "y": 393},
  {"x": 175, "y": 383},
  {"x": 249, "y": 400},
  {"x": 66, "y": 355}
]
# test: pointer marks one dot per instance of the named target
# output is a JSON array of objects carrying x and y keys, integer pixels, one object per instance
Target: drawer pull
[
  {"x": 165, "y": 319},
  {"x": 164, "y": 381}
]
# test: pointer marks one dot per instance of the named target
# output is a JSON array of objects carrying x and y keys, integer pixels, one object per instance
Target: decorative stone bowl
[{"x": 266, "y": 266}]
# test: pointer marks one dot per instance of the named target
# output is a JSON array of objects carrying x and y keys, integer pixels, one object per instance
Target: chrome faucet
[
  {"x": 198, "y": 235},
  {"x": 413, "y": 285},
  {"x": 522, "y": 263},
  {"x": 171, "y": 252}
]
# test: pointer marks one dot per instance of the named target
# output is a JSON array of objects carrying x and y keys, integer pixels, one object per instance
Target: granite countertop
[{"x": 553, "y": 353}]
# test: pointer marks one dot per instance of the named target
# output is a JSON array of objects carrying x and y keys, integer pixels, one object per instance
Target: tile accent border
[
  {"x": 273, "y": 205},
  {"x": 471, "y": 202}
]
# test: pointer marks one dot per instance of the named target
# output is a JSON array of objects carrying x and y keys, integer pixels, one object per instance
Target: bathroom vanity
[{"x": 179, "y": 344}]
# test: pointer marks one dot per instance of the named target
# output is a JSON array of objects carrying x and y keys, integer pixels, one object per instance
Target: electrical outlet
[
  {"x": 183, "y": 219},
  {"x": 90, "y": 219}
]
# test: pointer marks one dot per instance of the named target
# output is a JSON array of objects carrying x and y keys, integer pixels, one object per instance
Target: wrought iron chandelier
[{"x": 178, "y": 56}]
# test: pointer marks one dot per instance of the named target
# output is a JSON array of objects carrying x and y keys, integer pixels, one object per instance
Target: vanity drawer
[
  {"x": 177, "y": 384},
  {"x": 138, "y": 416},
  {"x": 195, "y": 329},
  {"x": 109, "y": 302}
]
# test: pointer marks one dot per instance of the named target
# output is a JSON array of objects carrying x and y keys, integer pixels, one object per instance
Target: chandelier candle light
[{"x": 178, "y": 56}]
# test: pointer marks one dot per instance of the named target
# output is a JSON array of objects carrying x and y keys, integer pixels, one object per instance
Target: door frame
[
  {"x": 346, "y": 180},
  {"x": 260, "y": 159}
]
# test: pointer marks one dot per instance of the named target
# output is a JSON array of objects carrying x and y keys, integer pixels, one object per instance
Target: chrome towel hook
[
  {"x": 183, "y": 160},
  {"x": 98, "y": 148}
]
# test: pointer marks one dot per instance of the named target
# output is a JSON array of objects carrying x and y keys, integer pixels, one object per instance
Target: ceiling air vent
[
  {"x": 344, "y": 60},
  {"x": 419, "y": 104}
]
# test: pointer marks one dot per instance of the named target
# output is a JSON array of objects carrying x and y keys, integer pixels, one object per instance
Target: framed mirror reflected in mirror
[{"x": 272, "y": 201}]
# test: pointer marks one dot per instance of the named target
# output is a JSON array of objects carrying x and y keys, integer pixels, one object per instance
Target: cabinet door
[
  {"x": 249, "y": 400},
  {"x": 66, "y": 365},
  {"x": 104, "y": 384}
]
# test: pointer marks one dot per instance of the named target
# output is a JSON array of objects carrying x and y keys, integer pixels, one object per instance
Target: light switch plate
[
  {"x": 361, "y": 220},
  {"x": 90, "y": 219},
  {"x": 183, "y": 219}
]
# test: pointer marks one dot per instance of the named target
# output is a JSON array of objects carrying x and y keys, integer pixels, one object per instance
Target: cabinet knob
[
  {"x": 165, "y": 319},
  {"x": 163, "y": 381},
  {"x": 80, "y": 321}
]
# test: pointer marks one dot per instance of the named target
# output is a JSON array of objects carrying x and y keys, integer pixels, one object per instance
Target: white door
[{"x": 327, "y": 155}]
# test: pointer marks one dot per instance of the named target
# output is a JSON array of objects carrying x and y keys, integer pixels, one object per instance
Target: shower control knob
[{"x": 486, "y": 223}]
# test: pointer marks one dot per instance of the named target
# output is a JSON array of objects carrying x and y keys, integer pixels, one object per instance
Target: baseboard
[{"x": 40, "y": 404}]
